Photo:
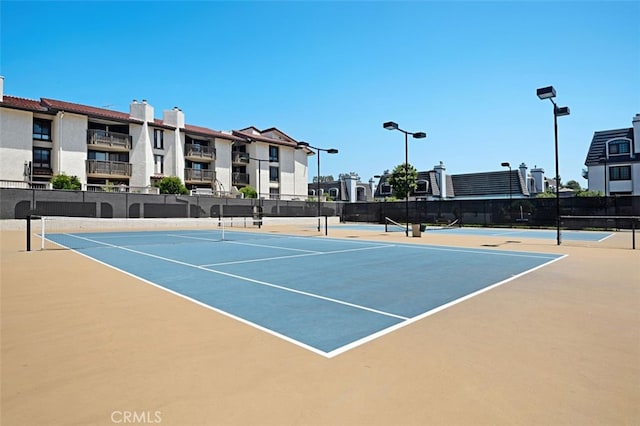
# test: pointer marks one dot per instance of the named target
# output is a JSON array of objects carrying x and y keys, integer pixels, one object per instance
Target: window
[
  {"x": 385, "y": 188},
  {"x": 274, "y": 153},
  {"x": 41, "y": 129},
  {"x": 333, "y": 193},
  {"x": 41, "y": 158},
  {"x": 274, "y": 193},
  {"x": 158, "y": 138},
  {"x": 274, "y": 174},
  {"x": 422, "y": 186},
  {"x": 158, "y": 164},
  {"x": 620, "y": 173},
  {"x": 619, "y": 146}
]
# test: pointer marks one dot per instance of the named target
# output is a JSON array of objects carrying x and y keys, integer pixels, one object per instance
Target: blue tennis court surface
[
  {"x": 550, "y": 234},
  {"x": 326, "y": 295}
]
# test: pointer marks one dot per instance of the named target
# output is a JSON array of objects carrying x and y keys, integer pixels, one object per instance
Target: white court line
[
  {"x": 400, "y": 325},
  {"x": 405, "y": 320},
  {"x": 240, "y": 277},
  {"x": 316, "y": 253}
]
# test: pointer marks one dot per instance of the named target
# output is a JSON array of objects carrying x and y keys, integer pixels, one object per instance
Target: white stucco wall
[
  {"x": 223, "y": 164},
  {"x": 141, "y": 155},
  {"x": 69, "y": 152},
  {"x": 16, "y": 133}
]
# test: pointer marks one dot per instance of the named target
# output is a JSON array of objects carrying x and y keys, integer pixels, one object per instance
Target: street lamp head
[
  {"x": 302, "y": 144},
  {"x": 332, "y": 151},
  {"x": 560, "y": 111},
  {"x": 546, "y": 92},
  {"x": 419, "y": 135},
  {"x": 390, "y": 125},
  {"x": 505, "y": 164}
]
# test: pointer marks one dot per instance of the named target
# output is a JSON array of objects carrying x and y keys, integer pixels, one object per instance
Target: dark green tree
[
  {"x": 403, "y": 183},
  {"x": 172, "y": 185}
]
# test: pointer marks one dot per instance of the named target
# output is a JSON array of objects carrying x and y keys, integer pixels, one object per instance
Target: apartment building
[
  {"x": 109, "y": 149},
  {"x": 613, "y": 160}
]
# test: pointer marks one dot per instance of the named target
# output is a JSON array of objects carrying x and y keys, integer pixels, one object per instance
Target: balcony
[
  {"x": 108, "y": 141},
  {"x": 199, "y": 152},
  {"x": 238, "y": 157},
  {"x": 240, "y": 178},
  {"x": 106, "y": 169},
  {"x": 199, "y": 176}
]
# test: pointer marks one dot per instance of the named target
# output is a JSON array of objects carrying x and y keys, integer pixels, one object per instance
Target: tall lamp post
[
  {"x": 260, "y": 161},
  {"x": 550, "y": 93},
  {"x": 302, "y": 144},
  {"x": 390, "y": 125}
]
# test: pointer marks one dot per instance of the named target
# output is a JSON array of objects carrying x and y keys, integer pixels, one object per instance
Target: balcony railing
[
  {"x": 240, "y": 157},
  {"x": 199, "y": 175},
  {"x": 106, "y": 139},
  {"x": 199, "y": 151},
  {"x": 109, "y": 168},
  {"x": 240, "y": 178}
]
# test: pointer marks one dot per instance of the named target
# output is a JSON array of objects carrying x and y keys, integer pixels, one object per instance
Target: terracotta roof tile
[
  {"x": 189, "y": 128},
  {"x": 260, "y": 138},
  {"x": 22, "y": 103},
  {"x": 87, "y": 110}
]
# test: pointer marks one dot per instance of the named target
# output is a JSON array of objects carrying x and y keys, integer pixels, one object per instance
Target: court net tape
[{"x": 82, "y": 232}]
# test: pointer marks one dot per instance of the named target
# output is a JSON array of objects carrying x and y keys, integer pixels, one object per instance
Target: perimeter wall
[{"x": 537, "y": 212}]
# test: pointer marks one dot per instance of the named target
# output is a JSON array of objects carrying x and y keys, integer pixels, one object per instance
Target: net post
[
  {"x": 633, "y": 233},
  {"x": 326, "y": 225},
  {"x": 28, "y": 232},
  {"x": 42, "y": 236}
]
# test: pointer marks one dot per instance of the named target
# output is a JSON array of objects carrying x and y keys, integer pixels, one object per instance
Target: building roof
[
  {"x": 488, "y": 183},
  {"x": 57, "y": 105},
  {"x": 472, "y": 184},
  {"x": 249, "y": 133},
  {"x": 598, "y": 144},
  {"x": 22, "y": 103}
]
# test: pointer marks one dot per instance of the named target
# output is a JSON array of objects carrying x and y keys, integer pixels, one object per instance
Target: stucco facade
[{"x": 103, "y": 148}]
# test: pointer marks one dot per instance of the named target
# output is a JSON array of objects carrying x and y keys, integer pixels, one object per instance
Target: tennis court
[
  {"x": 545, "y": 234},
  {"x": 326, "y": 295},
  {"x": 166, "y": 321}
]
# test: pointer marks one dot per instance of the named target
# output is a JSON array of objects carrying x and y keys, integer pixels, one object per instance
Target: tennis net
[{"x": 51, "y": 232}]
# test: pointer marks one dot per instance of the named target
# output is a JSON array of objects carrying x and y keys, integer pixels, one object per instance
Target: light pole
[
  {"x": 328, "y": 151},
  {"x": 550, "y": 93},
  {"x": 260, "y": 161},
  {"x": 390, "y": 125}
]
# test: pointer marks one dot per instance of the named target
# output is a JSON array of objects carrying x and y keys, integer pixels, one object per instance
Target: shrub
[
  {"x": 63, "y": 181},
  {"x": 172, "y": 185},
  {"x": 249, "y": 192}
]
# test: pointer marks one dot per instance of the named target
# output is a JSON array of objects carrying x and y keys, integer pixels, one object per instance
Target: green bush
[
  {"x": 63, "y": 181},
  {"x": 172, "y": 185},
  {"x": 248, "y": 192}
]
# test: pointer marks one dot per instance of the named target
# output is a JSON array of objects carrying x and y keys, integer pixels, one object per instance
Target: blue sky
[{"x": 330, "y": 73}]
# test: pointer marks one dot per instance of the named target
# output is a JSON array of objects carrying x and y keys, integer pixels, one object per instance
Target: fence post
[{"x": 28, "y": 232}]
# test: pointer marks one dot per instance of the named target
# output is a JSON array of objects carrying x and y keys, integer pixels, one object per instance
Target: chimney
[
  {"x": 537, "y": 174},
  {"x": 173, "y": 117},
  {"x": 141, "y": 111},
  {"x": 1, "y": 88},
  {"x": 441, "y": 177},
  {"x": 523, "y": 171}
]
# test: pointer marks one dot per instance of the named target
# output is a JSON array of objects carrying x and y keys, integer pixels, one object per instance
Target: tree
[
  {"x": 172, "y": 185},
  {"x": 249, "y": 192},
  {"x": 403, "y": 183},
  {"x": 63, "y": 181},
  {"x": 322, "y": 179},
  {"x": 572, "y": 184}
]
